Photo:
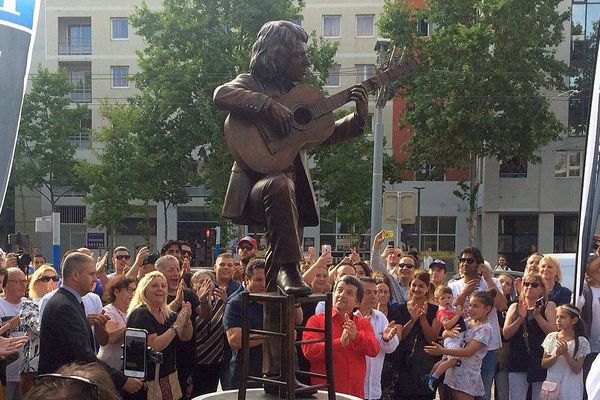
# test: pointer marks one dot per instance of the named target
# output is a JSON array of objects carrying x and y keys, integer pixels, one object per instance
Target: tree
[
  {"x": 478, "y": 90},
  {"x": 112, "y": 181},
  {"x": 342, "y": 173},
  {"x": 44, "y": 154},
  {"x": 191, "y": 48}
]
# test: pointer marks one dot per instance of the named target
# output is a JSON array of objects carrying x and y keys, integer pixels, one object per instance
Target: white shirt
[
  {"x": 594, "y": 338},
  {"x": 591, "y": 385},
  {"x": 458, "y": 286},
  {"x": 7, "y": 311},
  {"x": 427, "y": 260},
  {"x": 375, "y": 364}
]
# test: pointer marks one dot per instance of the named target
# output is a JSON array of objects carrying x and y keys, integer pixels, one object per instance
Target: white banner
[{"x": 18, "y": 21}]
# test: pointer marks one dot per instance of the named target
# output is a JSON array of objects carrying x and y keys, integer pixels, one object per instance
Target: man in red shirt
[{"x": 353, "y": 339}]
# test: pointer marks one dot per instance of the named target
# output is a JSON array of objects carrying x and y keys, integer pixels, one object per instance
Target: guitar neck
[{"x": 334, "y": 102}]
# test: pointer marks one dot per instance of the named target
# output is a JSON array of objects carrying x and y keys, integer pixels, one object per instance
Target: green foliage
[
  {"x": 478, "y": 89},
  {"x": 44, "y": 154},
  {"x": 343, "y": 174},
  {"x": 112, "y": 180}
]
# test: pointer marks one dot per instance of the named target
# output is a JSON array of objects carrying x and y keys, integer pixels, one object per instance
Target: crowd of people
[{"x": 400, "y": 330}]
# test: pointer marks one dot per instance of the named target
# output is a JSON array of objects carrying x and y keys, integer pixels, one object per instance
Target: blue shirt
[{"x": 233, "y": 319}]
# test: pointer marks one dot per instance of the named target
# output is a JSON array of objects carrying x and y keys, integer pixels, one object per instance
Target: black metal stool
[{"x": 288, "y": 343}]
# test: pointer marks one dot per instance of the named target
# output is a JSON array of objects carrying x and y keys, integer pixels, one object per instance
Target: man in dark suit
[
  {"x": 284, "y": 201},
  {"x": 65, "y": 335}
]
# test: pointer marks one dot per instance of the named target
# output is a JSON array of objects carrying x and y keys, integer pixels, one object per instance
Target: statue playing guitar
[{"x": 271, "y": 122}]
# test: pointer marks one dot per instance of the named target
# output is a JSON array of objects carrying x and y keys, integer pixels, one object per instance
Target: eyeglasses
[
  {"x": 129, "y": 289},
  {"x": 189, "y": 253},
  {"x": 47, "y": 278},
  {"x": 86, "y": 388},
  {"x": 246, "y": 247},
  {"x": 405, "y": 266},
  {"x": 123, "y": 257},
  {"x": 532, "y": 284},
  {"x": 468, "y": 260},
  {"x": 18, "y": 282}
]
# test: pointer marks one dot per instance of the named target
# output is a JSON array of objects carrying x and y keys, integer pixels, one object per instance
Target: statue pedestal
[{"x": 259, "y": 394}]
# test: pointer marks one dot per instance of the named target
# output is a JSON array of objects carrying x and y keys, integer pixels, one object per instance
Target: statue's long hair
[{"x": 274, "y": 44}]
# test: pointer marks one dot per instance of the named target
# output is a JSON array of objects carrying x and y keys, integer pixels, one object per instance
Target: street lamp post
[
  {"x": 376, "y": 193},
  {"x": 418, "y": 189}
]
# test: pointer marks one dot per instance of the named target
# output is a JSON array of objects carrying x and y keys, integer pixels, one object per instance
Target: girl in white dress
[{"x": 565, "y": 351}]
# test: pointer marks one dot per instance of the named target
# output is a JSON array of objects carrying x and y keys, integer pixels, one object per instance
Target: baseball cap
[
  {"x": 438, "y": 263},
  {"x": 249, "y": 240}
]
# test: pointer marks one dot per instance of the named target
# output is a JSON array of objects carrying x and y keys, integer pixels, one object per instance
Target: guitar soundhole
[{"x": 302, "y": 116}]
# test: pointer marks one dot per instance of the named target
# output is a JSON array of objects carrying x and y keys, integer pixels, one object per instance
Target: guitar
[{"x": 256, "y": 143}]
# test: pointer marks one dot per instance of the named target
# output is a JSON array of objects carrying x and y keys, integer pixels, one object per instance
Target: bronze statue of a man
[{"x": 283, "y": 201}]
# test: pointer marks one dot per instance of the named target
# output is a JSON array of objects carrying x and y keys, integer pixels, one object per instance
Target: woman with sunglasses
[
  {"x": 118, "y": 295},
  {"x": 42, "y": 281},
  {"x": 527, "y": 323}
]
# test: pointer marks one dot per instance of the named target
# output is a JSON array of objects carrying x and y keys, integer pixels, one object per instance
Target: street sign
[{"x": 95, "y": 240}]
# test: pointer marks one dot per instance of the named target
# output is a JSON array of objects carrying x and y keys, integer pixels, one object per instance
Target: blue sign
[{"x": 18, "y": 12}]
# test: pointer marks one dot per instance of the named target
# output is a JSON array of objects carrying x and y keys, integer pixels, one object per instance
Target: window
[
  {"x": 78, "y": 40},
  {"x": 364, "y": 72},
  {"x": 422, "y": 28},
  {"x": 333, "y": 79},
  {"x": 120, "y": 77},
  {"x": 565, "y": 233},
  {"x": 298, "y": 20},
  {"x": 82, "y": 138},
  {"x": 439, "y": 233},
  {"x": 72, "y": 214},
  {"x": 80, "y": 76},
  {"x": 513, "y": 168},
  {"x": 365, "y": 25},
  {"x": 119, "y": 29},
  {"x": 567, "y": 163},
  {"x": 430, "y": 172},
  {"x": 332, "y": 27},
  {"x": 517, "y": 237}
]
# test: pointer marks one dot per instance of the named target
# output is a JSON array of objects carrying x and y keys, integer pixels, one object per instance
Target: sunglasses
[
  {"x": 123, "y": 257},
  {"x": 246, "y": 247},
  {"x": 468, "y": 260},
  {"x": 405, "y": 266},
  {"x": 532, "y": 284},
  {"x": 48, "y": 278},
  {"x": 87, "y": 388}
]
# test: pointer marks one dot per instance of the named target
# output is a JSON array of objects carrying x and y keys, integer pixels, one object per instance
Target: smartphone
[
  {"x": 539, "y": 302},
  {"x": 134, "y": 353},
  {"x": 391, "y": 243},
  {"x": 388, "y": 234},
  {"x": 325, "y": 248}
]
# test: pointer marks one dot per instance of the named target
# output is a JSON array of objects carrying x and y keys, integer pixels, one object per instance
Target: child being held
[{"x": 448, "y": 316}]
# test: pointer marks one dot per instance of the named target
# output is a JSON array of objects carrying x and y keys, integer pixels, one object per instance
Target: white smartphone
[
  {"x": 134, "y": 353},
  {"x": 325, "y": 248}
]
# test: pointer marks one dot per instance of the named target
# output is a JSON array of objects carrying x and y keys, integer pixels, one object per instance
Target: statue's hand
[
  {"x": 281, "y": 115},
  {"x": 360, "y": 96}
]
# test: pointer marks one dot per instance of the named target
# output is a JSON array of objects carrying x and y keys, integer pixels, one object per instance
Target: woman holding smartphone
[
  {"x": 149, "y": 310},
  {"x": 527, "y": 323}
]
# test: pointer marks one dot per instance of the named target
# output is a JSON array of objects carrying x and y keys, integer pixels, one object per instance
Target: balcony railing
[
  {"x": 82, "y": 140},
  {"x": 74, "y": 46}
]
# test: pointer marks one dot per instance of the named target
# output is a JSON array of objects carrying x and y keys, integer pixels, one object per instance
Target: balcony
[
  {"x": 74, "y": 46},
  {"x": 74, "y": 36},
  {"x": 80, "y": 76}
]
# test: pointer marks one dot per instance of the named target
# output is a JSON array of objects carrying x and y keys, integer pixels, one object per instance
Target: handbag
[
  {"x": 550, "y": 390},
  {"x": 167, "y": 389}
]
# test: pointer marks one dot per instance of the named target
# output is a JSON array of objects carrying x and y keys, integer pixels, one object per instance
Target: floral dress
[
  {"x": 30, "y": 320},
  {"x": 571, "y": 384},
  {"x": 467, "y": 377}
]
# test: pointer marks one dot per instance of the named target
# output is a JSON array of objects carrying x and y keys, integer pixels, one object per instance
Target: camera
[{"x": 21, "y": 241}]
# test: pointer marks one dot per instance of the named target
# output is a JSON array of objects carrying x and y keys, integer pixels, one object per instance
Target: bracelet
[
  {"x": 174, "y": 329},
  {"x": 298, "y": 306}
]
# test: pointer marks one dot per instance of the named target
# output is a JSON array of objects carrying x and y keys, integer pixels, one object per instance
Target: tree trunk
[
  {"x": 165, "y": 207},
  {"x": 473, "y": 190}
]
